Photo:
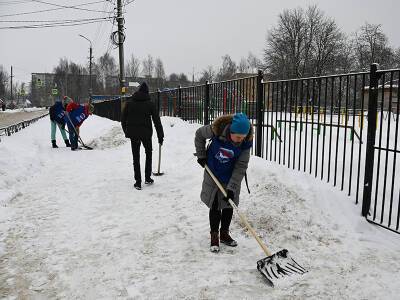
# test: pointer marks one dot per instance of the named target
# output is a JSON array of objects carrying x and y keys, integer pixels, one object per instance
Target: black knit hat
[{"x": 144, "y": 88}]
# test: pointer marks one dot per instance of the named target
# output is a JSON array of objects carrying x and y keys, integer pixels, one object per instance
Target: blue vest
[
  {"x": 222, "y": 156},
  {"x": 78, "y": 115},
  {"x": 59, "y": 113}
]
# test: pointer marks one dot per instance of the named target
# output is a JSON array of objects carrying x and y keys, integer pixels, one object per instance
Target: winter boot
[
  {"x": 226, "y": 239},
  {"x": 53, "y": 143},
  {"x": 67, "y": 144},
  {"x": 214, "y": 247},
  {"x": 137, "y": 185},
  {"x": 149, "y": 181}
]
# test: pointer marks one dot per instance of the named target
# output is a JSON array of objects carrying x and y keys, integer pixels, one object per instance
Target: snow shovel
[
  {"x": 79, "y": 137},
  {"x": 274, "y": 266},
  {"x": 158, "y": 173}
]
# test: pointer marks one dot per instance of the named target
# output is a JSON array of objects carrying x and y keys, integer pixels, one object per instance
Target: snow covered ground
[{"x": 73, "y": 227}]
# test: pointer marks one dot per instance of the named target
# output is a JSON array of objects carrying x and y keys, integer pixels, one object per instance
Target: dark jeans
[
  {"x": 73, "y": 136},
  {"x": 147, "y": 144},
  {"x": 216, "y": 216}
]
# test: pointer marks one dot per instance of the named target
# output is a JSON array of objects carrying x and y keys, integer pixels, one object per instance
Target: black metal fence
[
  {"x": 330, "y": 127},
  {"x": 110, "y": 109},
  {"x": 381, "y": 198},
  {"x": 11, "y": 129}
]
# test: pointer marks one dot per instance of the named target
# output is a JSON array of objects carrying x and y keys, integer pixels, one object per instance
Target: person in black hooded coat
[{"x": 136, "y": 120}]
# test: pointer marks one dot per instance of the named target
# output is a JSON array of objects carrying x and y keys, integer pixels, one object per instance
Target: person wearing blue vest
[
  {"x": 227, "y": 156},
  {"x": 74, "y": 117},
  {"x": 57, "y": 113}
]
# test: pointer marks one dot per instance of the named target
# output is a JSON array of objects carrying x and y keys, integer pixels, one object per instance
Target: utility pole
[
  {"x": 90, "y": 74},
  {"x": 11, "y": 77},
  {"x": 90, "y": 68},
  {"x": 121, "y": 39}
]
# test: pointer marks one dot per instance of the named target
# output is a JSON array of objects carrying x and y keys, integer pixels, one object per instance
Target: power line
[
  {"x": 55, "y": 24},
  {"x": 14, "y": 2},
  {"x": 99, "y": 32},
  {"x": 69, "y": 7},
  {"x": 55, "y": 21},
  {"x": 52, "y": 9}
]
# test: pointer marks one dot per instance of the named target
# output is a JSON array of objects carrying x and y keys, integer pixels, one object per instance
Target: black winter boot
[
  {"x": 53, "y": 143},
  {"x": 138, "y": 185},
  {"x": 149, "y": 181},
  {"x": 67, "y": 144},
  {"x": 214, "y": 246},
  {"x": 226, "y": 239}
]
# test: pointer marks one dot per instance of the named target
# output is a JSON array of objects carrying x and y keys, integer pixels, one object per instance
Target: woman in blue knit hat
[{"x": 227, "y": 156}]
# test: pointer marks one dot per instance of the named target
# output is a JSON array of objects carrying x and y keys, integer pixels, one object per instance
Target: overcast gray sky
[{"x": 185, "y": 34}]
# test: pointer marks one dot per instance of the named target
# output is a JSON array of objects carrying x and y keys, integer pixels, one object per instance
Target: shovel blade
[
  {"x": 278, "y": 266},
  {"x": 158, "y": 173}
]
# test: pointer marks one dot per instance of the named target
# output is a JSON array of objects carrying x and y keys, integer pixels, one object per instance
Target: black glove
[
  {"x": 202, "y": 161},
  {"x": 160, "y": 140},
  {"x": 229, "y": 195}
]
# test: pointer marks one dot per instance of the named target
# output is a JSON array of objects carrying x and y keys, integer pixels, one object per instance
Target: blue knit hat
[{"x": 240, "y": 124}]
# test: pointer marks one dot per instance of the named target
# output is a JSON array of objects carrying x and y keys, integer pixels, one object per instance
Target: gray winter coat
[{"x": 209, "y": 188}]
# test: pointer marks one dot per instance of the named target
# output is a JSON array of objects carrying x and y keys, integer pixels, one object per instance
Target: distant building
[{"x": 387, "y": 90}]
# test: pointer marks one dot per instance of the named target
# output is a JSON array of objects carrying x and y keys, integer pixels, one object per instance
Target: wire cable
[
  {"x": 52, "y": 21},
  {"x": 69, "y": 7},
  {"x": 46, "y": 10},
  {"x": 54, "y": 24}
]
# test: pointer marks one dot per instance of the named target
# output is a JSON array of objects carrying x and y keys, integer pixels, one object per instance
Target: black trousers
[
  {"x": 217, "y": 216},
  {"x": 147, "y": 144}
]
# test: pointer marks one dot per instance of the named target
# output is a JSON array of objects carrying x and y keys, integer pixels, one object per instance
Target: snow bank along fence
[
  {"x": 340, "y": 128},
  {"x": 10, "y": 129}
]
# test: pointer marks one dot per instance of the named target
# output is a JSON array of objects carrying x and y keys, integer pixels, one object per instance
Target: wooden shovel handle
[
  {"x": 242, "y": 217},
  {"x": 159, "y": 158}
]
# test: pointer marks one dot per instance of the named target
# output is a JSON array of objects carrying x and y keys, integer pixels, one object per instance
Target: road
[{"x": 7, "y": 118}]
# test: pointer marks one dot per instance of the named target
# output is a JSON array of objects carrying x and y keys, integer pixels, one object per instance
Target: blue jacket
[
  {"x": 57, "y": 113},
  {"x": 77, "y": 116}
]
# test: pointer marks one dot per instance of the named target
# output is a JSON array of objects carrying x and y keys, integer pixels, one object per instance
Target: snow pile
[{"x": 73, "y": 227}]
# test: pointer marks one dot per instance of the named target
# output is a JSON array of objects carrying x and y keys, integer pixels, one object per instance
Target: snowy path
[{"x": 73, "y": 227}]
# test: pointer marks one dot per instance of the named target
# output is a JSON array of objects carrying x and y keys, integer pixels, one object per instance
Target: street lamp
[{"x": 90, "y": 67}]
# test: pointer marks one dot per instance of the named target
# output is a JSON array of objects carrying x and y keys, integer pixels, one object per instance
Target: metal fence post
[
  {"x": 180, "y": 103},
  {"x": 259, "y": 114},
  {"x": 207, "y": 104},
  {"x": 158, "y": 100},
  {"x": 371, "y": 133}
]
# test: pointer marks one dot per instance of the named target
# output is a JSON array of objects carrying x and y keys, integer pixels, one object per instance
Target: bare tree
[
  {"x": 3, "y": 81},
  {"x": 286, "y": 44},
  {"x": 207, "y": 74},
  {"x": 148, "y": 66},
  {"x": 371, "y": 46},
  {"x": 396, "y": 60},
  {"x": 107, "y": 68},
  {"x": 133, "y": 67},
  {"x": 71, "y": 79},
  {"x": 228, "y": 68},
  {"x": 243, "y": 66},
  {"x": 159, "y": 72},
  {"x": 327, "y": 45},
  {"x": 253, "y": 62},
  {"x": 304, "y": 43}
]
